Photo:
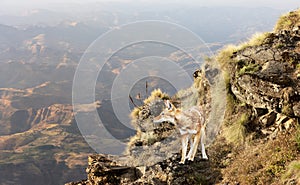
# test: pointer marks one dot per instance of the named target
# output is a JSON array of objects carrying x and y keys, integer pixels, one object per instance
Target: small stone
[
  {"x": 230, "y": 155},
  {"x": 295, "y": 29},
  {"x": 287, "y": 125},
  {"x": 142, "y": 169},
  {"x": 266, "y": 132},
  {"x": 274, "y": 134},
  {"x": 268, "y": 119}
]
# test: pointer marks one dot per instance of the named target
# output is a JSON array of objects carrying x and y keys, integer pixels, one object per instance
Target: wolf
[{"x": 191, "y": 125}]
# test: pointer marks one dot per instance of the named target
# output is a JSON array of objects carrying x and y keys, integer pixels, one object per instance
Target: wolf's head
[{"x": 167, "y": 115}]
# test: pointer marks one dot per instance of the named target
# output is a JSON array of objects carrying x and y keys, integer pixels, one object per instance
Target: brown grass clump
[
  {"x": 288, "y": 21},
  {"x": 224, "y": 57},
  {"x": 292, "y": 172},
  {"x": 156, "y": 94},
  {"x": 135, "y": 113},
  {"x": 256, "y": 40}
]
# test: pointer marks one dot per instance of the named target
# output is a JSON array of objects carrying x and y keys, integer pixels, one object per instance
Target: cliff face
[{"x": 259, "y": 140}]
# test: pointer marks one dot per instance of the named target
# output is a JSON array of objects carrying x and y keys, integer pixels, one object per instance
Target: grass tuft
[
  {"x": 293, "y": 171},
  {"x": 288, "y": 21},
  {"x": 135, "y": 113},
  {"x": 224, "y": 57},
  {"x": 256, "y": 40},
  {"x": 156, "y": 94},
  {"x": 248, "y": 69}
]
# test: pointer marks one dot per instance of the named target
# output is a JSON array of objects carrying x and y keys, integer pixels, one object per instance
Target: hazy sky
[
  {"x": 278, "y": 4},
  {"x": 269, "y": 3}
]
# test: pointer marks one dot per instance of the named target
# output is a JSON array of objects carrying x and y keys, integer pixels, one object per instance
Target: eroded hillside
[{"x": 38, "y": 139}]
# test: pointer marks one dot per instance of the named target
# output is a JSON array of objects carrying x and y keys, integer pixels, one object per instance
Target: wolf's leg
[
  {"x": 192, "y": 142},
  {"x": 196, "y": 143},
  {"x": 184, "y": 143},
  {"x": 204, "y": 156}
]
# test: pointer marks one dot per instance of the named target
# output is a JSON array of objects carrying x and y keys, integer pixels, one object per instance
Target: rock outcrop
[
  {"x": 267, "y": 76},
  {"x": 103, "y": 169}
]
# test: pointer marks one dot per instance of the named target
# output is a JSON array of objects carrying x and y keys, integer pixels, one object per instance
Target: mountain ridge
[{"x": 258, "y": 142}]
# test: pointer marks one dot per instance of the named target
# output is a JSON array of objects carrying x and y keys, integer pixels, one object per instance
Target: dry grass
[
  {"x": 288, "y": 21},
  {"x": 135, "y": 113},
  {"x": 262, "y": 162},
  {"x": 256, "y": 161},
  {"x": 188, "y": 97},
  {"x": 144, "y": 138},
  {"x": 224, "y": 57},
  {"x": 156, "y": 94},
  {"x": 292, "y": 172},
  {"x": 236, "y": 132},
  {"x": 235, "y": 119},
  {"x": 227, "y": 62},
  {"x": 256, "y": 40}
]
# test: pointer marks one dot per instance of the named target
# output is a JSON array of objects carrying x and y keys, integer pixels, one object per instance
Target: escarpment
[{"x": 259, "y": 139}]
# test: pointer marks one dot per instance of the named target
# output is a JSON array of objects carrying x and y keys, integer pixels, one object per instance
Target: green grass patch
[
  {"x": 274, "y": 170},
  {"x": 236, "y": 132},
  {"x": 249, "y": 69}
]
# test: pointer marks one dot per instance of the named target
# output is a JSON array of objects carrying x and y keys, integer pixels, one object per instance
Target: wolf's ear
[{"x": 168, "y": 105}]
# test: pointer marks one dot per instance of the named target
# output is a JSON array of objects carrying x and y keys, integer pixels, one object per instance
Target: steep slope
[
  {"x": 259, "y": 141},
  {"x": 262, "y": 116}
]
